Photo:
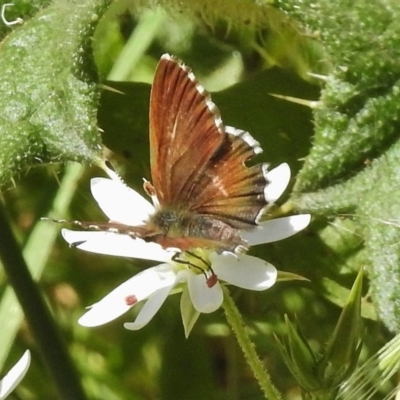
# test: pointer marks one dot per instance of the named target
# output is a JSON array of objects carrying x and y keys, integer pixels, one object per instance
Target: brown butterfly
[{"x": 205, "y": 195}]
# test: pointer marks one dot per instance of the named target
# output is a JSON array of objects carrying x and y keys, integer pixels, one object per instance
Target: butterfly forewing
[{"x": 185, "y": 132}]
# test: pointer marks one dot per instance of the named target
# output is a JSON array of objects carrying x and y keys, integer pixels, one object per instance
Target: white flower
[
  {"x": 196, "y": 274},
  {"x": 15, "y": 375}
]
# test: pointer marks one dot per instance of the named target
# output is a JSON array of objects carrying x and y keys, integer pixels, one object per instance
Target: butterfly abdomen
[
  {"x": 178, "y": 225},
  {"x": 215, "y": 230}
]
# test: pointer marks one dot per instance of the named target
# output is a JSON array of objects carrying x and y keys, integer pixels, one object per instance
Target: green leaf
[
  {"x": 302, "y": 358},
  {"x": 353, "y": 165},
  {"x": 344, "y": 347},
  {"x": 48, "y": 95},
  {"x": 358, "y": 114}
]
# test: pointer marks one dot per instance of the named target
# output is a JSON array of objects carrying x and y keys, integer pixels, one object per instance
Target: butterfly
[{"x": 204, "y": 193}]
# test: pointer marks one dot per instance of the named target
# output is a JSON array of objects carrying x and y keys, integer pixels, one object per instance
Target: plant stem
[
  {"x": 42, "y": 326},
  {"x": 235, "y": 320}
]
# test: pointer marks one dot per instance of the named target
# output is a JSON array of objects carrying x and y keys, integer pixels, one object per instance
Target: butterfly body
[{"x": 185, "y": 230}]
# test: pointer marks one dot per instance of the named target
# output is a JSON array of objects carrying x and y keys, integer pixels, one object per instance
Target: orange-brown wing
[
  {"x": 229, "y": 190},
  {"x": 186, "y": 131}
]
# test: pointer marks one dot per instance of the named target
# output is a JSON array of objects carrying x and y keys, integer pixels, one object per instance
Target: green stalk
[
  {"x": 140, "y": 40},
  {"x": 239, "y": 329}
]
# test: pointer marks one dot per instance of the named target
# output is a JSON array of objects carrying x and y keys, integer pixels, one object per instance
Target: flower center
[{"x": 197, "y": 261}]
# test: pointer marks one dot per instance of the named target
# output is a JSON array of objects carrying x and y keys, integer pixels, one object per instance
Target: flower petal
[
  {"x": 278, "y": 179},
  {"x": 119, "y": 202},
  {"x": 244, "y": 271},
  {"x": 276, "y": 229},
  {"x": 150, "y": 308},
  {"x": 115, "y": 244},
  {"x": 15, "y": 375},
  {"x": 205, "y": 299},
  {"x": 120, "y": 300},
  {"x": 154, "y": 303}
]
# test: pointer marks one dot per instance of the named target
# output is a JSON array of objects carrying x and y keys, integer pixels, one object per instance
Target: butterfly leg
[{"x": 211, "y": 279}]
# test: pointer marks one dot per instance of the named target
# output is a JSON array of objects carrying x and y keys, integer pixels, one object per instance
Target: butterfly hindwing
[{"x": 229, "y": 190}]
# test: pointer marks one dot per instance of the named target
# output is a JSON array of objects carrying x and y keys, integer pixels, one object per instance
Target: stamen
[{"x": 131, "y": 300}]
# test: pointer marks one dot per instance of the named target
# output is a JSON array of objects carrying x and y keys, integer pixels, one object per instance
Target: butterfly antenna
[{"x": 82, "y": 224}]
